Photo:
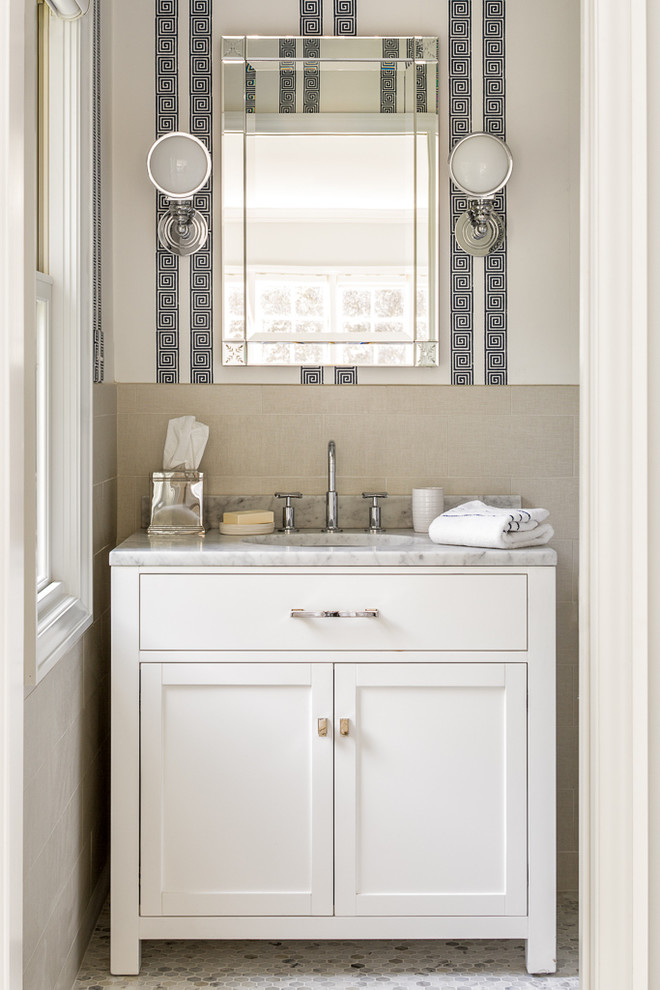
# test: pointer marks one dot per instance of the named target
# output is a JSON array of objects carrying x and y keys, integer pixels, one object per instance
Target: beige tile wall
[
  {"x": 66, "y": 761},
  {"x": 500, "y": 440}
]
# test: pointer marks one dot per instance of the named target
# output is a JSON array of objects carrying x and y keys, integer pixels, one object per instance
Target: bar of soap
[{"x": 248, "y": 517}]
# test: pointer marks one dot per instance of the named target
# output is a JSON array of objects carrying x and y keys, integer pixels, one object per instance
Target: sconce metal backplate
[
  {"x": 479, "y": 235},
  {"x": 182, "y": 230}
]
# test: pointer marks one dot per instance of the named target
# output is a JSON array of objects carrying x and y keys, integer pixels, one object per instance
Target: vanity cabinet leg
[
  {"x": 541, "y": 954},
  {"x": 125, "y": 775},
  {"x": 541, "y": 948},
  {"x": 125, "y": 954}
]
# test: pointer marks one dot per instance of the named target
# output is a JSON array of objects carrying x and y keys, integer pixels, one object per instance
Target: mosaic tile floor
[{"x": 345, "y": 965}]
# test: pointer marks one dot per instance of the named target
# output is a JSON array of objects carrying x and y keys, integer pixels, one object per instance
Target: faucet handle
[
  {"x": 374, "y": 511},
  {"x": 288, "y": 524}
]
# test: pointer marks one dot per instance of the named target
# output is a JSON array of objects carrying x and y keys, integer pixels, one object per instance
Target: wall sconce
[
  {"x": 480, "y": 164},
  {"x": 179, "y": 164}
]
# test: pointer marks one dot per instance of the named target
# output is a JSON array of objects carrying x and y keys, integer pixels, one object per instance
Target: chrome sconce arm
[
  {"x": 179, "y": 164},
  {"x": 480, "y": 165}
]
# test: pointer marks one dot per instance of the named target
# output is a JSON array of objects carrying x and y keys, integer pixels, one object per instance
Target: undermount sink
[{"x": 317, "y": 539}]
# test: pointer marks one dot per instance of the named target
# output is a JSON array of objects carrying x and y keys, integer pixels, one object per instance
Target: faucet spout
[
  {"x": 331, "y": 519},
  {"x": 332, "y": 466}
]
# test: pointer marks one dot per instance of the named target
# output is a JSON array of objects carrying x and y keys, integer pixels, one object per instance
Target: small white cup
[{"x": 427, "y": 503}]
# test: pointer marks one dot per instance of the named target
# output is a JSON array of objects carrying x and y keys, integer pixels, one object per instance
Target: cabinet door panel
[
  {"x": 431, "y": 801},
  {"x": 236, "y": 792}
]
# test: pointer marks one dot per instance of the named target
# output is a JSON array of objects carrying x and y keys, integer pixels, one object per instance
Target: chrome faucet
[{"x": 331, "y": 520}]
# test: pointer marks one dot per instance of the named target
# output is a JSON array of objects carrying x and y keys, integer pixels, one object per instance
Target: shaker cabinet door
[
  {"x": 430, "y": 799},
  {"x": 236, "y": 789}
]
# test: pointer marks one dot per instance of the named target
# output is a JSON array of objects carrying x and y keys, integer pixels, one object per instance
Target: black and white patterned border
[
  {"x": 346, "y": 375},
  {"x": 201, "y": 125},
  {"x": 311, "y": 375},
  {"x": 250, "y": 88},
  {"x": 167, "y": 265},
  {"x": 388, "y": 76},
  {"x": 460, "y": 124},
  {"x": 414, "y": 50},
  {"x": 287, "y": 95},
  {"x": 495, "y": 269},
  {"x": 97, "y": 308},
  {"x": 422, "y": 97},
  {"x": 311, "y": 75},
  {"x": 311, "y": 17},
  {"x": 345, "y": 16}
]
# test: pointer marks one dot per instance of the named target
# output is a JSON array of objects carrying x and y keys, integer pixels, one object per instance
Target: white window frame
[
  {"x": 42, "y": 431},
  {"x": 64, "y": 605}
]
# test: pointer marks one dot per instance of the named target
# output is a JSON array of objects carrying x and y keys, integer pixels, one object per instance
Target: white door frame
[
  {"x": 618, "y": 571},
  {"x": 617, "y": 576},
  {"x": 15, "y": 283}
]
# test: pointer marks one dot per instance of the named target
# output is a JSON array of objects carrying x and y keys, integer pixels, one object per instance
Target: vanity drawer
[{"x": 457, "y": 612}]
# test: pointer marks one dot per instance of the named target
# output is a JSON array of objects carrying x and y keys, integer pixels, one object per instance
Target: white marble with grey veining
[{"x": 414, "y": 550}]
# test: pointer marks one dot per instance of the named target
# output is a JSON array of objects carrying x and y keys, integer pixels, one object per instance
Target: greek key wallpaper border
[
  {"x": 201, "y": 125},
  {"x": 461, "y": 286},
  {"x": 167, "y": 120},
  {"x": 495, "y": 267}
]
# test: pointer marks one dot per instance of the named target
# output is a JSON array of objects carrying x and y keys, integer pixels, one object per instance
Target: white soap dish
[{"x": 247, "y": 529}]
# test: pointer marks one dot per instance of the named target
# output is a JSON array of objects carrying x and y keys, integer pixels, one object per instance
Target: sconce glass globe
[
  {"x": 480, "y": 165},
  {"x": 179, "y": 165}
]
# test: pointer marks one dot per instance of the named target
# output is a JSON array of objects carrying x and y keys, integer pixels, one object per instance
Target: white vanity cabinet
[{"x": 308, "y": 777}]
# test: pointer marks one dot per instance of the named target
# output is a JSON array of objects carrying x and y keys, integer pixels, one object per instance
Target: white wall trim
[
  {"x": 15, "y": 246},
  {"x": 614, "y": 499},
  {"x": 64, "y": 609}
]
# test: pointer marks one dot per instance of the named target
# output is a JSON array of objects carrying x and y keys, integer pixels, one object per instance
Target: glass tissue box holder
[{"x": 177, "y": 500}]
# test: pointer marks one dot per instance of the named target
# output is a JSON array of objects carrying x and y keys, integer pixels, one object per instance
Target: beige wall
[
  {"x": 67, "y": 765},
  {"x": 518, "y": 440}
]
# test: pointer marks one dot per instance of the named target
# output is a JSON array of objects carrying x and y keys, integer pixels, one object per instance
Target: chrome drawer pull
[{"x": 301, "y": 613}]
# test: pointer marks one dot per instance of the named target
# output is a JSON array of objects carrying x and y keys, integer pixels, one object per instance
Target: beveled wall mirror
[{"x": 329, "y": 201}]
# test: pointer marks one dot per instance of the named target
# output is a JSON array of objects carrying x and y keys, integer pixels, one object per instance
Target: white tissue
[{"x": 184, "y": 444}]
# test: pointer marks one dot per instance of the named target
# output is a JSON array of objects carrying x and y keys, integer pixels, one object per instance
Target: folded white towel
[
  {"x": 475, "y": 524},
  {"x": 515, "y": 519}
]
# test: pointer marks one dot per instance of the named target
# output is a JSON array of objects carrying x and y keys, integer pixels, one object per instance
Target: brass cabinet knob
[
  {"x": 343, "y": 726},
  {"x": 323, "y": 726}
]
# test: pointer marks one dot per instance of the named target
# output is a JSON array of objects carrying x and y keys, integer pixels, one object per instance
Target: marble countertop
[{"x": 411, "y": 550}]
